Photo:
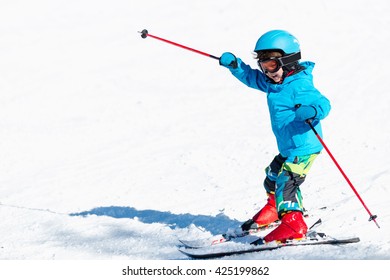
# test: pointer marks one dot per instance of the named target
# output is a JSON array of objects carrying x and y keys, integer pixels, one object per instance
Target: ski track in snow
[{"x": 115, "y": 147}]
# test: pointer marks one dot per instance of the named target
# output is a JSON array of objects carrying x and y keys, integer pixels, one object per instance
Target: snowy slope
[{"x": 113, "y": 147}]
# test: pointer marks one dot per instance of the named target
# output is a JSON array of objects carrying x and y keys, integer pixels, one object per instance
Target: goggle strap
[{"x": 290, "y": 58}]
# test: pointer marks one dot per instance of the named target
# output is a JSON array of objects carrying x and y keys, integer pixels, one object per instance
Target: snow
[{"x": 114, "y": 147}]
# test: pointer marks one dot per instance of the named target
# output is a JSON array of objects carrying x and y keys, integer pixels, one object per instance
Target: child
[{"x": 292, "y": 101}]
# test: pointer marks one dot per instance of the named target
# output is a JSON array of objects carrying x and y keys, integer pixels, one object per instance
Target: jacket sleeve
[
  {"x": 251, "y": 77},
  {"x": 322, "y": 105},
  {"x": 307, "y": 94}
]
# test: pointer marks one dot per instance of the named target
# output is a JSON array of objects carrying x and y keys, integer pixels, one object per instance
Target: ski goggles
[
  {"x": 273, "y": 64},
  {"x": 270, "y": 65}
]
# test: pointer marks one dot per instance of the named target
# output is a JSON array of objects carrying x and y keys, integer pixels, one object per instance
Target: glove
[
  {"x": 305, "y": 112},
  {"x": 228, "y": 60}
]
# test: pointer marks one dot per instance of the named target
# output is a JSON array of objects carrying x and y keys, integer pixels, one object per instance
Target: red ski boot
[
  {"x": 268, "y": 213},
  {"x": 292, "y": 227}
]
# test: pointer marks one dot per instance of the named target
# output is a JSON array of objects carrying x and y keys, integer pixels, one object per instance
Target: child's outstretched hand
[{"x": 228, "y": 60}]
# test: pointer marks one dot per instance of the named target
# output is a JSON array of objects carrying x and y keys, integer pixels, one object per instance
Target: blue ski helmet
[{"x": 278, "y": 40}]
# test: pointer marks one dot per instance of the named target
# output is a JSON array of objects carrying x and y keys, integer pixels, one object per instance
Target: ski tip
[
  {"x": 355, "y": 239},
  {"x": 187, "y": 244},
  {"x": 184, "y": 252},
  {"x": 194, "y": 256}
]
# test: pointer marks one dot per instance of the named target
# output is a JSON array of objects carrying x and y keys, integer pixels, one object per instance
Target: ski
[
  {"x": 243, "y": 236},
  {"x": 225, "y": 237},
  {"x": 237, "y": 248}
]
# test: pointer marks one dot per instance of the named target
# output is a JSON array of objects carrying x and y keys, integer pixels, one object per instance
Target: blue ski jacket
[{"x": 294, "y": 138}]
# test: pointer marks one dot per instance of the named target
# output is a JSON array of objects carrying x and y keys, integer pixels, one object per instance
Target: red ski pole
[
  {"x": 144, "y": 34},
  {"x": 372, "y": 217}
]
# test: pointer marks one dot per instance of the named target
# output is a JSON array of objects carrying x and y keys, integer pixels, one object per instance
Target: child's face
[{"x": 277, "y": 76}]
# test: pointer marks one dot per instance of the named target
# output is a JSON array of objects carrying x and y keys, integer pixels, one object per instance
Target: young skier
[{"x": 292, "y": 101}]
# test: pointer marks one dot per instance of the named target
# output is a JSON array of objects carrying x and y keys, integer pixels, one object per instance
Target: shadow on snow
[{"x": 214, "y": 224}]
